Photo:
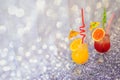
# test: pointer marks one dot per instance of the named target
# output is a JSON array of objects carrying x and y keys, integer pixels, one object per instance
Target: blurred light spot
[
  {"x": 12, "y": 10},
  {"x": 61, "y": 53},
  {"x": 109, "y": 13},
  {"x": 27, "y": 78},
  {"x": 117, "y": 0},
  {"x": 63, "y": 45},
  {"x": 27, "y": 29},
  {"x": 58, "y": 35},
  {"x": 39, "y": 51},
  {"x": 3, "y": 62},
  {"x": 11, "y": 57},
  {"x": 58, "y": 65},
  {"x": 33, "y": 60},
  {"x": 18, "y": 73},
  {"x": 74, "y": 8},
  {"x": 20, "y": 49},
  {"x": 23, "y": 64},
  {"x": 11, "y": 45},
  {"x": 68, "y": 66},
  {"x": 19, "y": 58},
  {"x": 27, "y": 54},
  {"x": 115, "y": 9},
  {"x": 59, "y": 24},
  {"x": 33, "y": 47},
  {"x": 39, "y": 39},
  {"x": 47, "y": 56},
  {"x": 40, "y": 5},
  {"x": 2, "y": 29},
  {"x": 20, "y": 32},
  {"x": 6, "y": 68},
  {"x": 44, "y": 69},
  {"x": 100, "y": 60},
  {"x": 5, "y": 49},
  {"x": 20, "y": 12},
  {"x": 51, "y": 13},
  {"x": 78, "y": 20},
  {"x": 13, "y": 74},
  {"x": 51, "y": 47},
  {"x": 55, "y": 53},
  {"x": 63, "y": 12},
  {"x": 33, "y": 69},
  {"x": 106, "y": 3},
  {"x": 66, "y": 39},
  {"x": 53, "y": 61},
  {"x": 118, "y": 19},
  {"x": 99, "y": 5},
  {"x": 96, "y": 13},
  {"x": 44, "y": 46},
  {"x": 57, "y": 2},
  {"x": 88, "y": 9}
]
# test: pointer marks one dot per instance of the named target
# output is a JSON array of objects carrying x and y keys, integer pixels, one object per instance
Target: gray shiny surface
[{"x": 34, "y": 44}]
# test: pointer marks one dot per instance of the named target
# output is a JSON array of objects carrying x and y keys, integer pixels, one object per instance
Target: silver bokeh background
[{"x": 34, "y": 41}]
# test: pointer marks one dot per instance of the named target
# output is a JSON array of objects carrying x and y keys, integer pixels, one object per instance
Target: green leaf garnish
[{"x": 104, "y": 19}]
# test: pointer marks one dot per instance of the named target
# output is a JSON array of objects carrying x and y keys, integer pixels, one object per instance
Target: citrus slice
[
  {"x": 75, "y": 44},
  {"x": 98, "y": 34},
  {"x": 94, "y": 25},
  {"x": 73, "y": 34}
]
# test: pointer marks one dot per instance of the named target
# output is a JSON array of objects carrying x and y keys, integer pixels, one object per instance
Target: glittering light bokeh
[{"x": 34, "y": 41}]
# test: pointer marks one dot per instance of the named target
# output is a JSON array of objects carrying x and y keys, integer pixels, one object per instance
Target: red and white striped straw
[{"x": 109, "y": 24}]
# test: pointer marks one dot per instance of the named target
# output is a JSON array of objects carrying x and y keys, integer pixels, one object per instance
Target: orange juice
[{"x": 80, "y": 56}]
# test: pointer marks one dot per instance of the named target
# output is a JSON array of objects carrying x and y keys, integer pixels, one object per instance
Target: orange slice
[
  {"x": 73, "y": 34},
  {"x": 98, "y": 34},
  {"x": 75, "y": 44}
]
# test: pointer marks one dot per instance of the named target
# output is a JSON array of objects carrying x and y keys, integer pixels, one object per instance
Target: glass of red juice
[{"x": 103, "y": 45}]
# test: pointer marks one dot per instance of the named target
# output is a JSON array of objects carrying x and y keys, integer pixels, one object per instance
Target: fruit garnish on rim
[
  {"x": 94, "y": 25},
  {"x": 75, "y": 44},
  {"x": 73, "y": 34},
  {"x": 98, "y": 34}
]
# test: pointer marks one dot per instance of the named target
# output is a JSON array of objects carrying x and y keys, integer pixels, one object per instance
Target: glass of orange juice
[{"x": 80, "y": 56}]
